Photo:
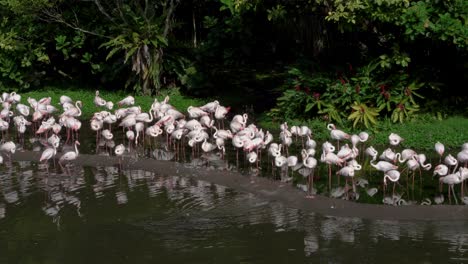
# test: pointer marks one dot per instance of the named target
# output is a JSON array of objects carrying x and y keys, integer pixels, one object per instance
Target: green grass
[
  {"x": 178, "y": 100},
  {"x": 419, "y": 134}
]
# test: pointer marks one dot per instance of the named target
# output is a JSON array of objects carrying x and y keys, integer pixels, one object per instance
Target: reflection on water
[{"x": 134, "y": 216}]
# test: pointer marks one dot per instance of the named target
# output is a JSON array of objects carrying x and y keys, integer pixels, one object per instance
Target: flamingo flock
[{"x": 204, "y": 130}]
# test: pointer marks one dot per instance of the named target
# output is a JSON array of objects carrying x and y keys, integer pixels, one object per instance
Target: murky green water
[{"x": 101, "y": 215}]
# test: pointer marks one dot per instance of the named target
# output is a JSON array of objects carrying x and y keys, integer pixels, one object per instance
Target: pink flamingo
[{"x": 336, "y": 134}]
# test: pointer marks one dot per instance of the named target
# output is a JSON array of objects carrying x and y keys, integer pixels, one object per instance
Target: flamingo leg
[
  {"x": 450, "y": 198},
  {"x": 454, "y": 194}
]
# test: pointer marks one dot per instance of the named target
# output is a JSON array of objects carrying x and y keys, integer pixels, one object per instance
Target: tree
[{"x": 138, "y": 31}]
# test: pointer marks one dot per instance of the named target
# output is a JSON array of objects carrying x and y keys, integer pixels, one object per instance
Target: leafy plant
[
  {"x": 363, "y": 114},
  {"x": 360, "y": 97}
]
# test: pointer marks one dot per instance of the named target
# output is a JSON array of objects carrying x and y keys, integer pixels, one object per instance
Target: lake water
[{"x": 103, "y": 215}]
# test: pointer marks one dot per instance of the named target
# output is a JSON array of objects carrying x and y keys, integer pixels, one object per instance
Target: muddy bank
[{"x": 274, "y": 190}]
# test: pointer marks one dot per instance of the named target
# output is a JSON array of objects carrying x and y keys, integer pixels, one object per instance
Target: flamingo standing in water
[
  {"x": 310, "y": 163},
  {"x": 69, "y": 156},
  {"x": 9, "y": 147},
  {"x": 49, "y": 153},
  {"x": 348, "y": 172},
  {"x": 393, "y": 176},
  {"x": 119, "y": 151},
  {"x": 330, "y": 158},
  {"x": 451, "y": 180}
]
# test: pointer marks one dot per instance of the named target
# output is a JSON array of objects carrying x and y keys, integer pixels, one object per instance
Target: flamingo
[
  {"x": 119, "y": 151},
  {"x": 336, "y": 134},
  {"x": 9, "y": 147},
  {"x": 451, "y": 180},
  {"x": 129, "y": 100},
  {"x": 175, "y": 114},
  {"x": 331, "y": 158},
  {"x": 14, "y": 98},
  {"x": 221, "y": 112},
  {"x": 196, "y": 112},
  {"x": 210, "y": 107},
  {"x": 451, "y": 161},
  {"x": 383, "y": 165},
  {"x": 393, "y": 176},
  {"x": 96, "y": 125},
  {"x": 413, "y": 165},
  {"x": 347, "y": 172},
  {"x": 439, "y": 148},
  {"x": 69, "y": 155},
  {"x": 389, "y": 155},
  {"x": 74, "y": 111},
  {"x": 98, "y": 101},
  {"x": 65, "y": 99},
  {"x": 237, "y": 142},
  {"x": 406, "y": 154},
  {"x": 139, "y": 128},
  {"x": 395, "y": 139},
  {"x": 310, "y": 163},
  {"x": 131, "y": 137},
  {"x": 207, "y": 146},
  {"x": 252, "y": 157},
  {"x": 48, "y": 153},
  {"x": 193, "y": 124},
  {"x": 23, "y": 109},
  {"x": 206, "y": 121},
  {"x": 109, "y": 105},
  {"x": 281, "y": 161},
  {"x": 372, "y": 152},
  {"x": 462, "y": 157},
  {"x": 54, "y": 140},
  {"x": 441, "y": 170},
  {"x": 145, "y": 117},
  {"x": 129, "y": 121}
]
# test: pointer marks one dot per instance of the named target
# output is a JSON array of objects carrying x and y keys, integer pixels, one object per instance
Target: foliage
[
  {"x": 363, "y": 114},
  {"x": 360, "y": 98},
  {"x": 22, "y": 55},
  {"x": 142, "y": 37},
  {"x": 442, "y": 20}
]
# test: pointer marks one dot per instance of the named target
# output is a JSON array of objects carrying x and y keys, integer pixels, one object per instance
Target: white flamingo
[
  {"x": 99, "y": 101},
  {"x": 70, "y": 155},
  {"x": 440, "y": 149},
  {"x": 119, "y": 151},
  {"x": 393, "y": 176},
  {"x": 129, "y": 100},
  {"x": 336, "y": 134}
]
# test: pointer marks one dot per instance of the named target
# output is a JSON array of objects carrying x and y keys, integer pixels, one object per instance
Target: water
[{"x": 103, "y": 215}]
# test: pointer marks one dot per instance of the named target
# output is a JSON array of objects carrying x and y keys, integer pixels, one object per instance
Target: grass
[
  {"x": 419, "y": 134},
  {"x": 178, "y": 100}
]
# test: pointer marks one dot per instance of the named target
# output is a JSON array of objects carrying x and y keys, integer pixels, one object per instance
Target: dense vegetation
[{"x": 350, "y": 62}]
